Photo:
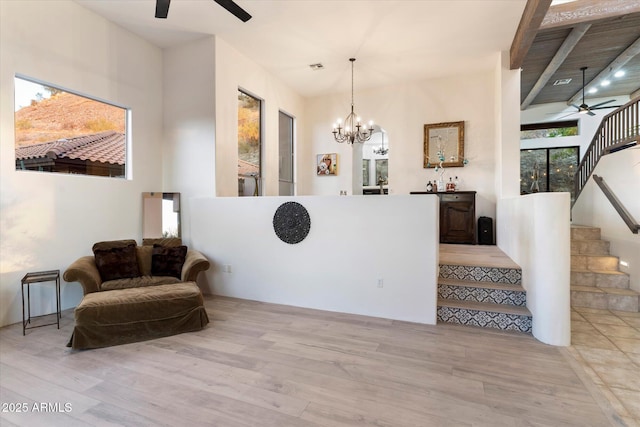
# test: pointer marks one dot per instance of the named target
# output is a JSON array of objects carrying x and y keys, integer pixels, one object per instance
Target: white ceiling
[{"x": 393, "y": 41}]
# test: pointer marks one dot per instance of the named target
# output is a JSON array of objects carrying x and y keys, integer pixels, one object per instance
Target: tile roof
[
  {"x": 245, "y": 168},
  {"x": 103, "y": 147}
]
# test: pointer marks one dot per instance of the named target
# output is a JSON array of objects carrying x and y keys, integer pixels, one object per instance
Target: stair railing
[
  {"x": 628, "y": 219},
  {"x": 618, "y": 130}
]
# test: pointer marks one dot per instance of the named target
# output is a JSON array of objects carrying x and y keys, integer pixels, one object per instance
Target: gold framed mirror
[{"x": 444, "y": 144}]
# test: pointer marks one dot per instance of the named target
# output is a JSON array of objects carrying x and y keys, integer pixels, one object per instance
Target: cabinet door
[{"x": 457, "y": 219}]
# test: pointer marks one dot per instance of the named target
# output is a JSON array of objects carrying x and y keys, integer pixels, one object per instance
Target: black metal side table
[{"x": 36, "y": 277}]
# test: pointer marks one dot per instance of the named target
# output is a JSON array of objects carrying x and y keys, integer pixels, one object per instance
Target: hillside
[{"x": 65, "y": 115}]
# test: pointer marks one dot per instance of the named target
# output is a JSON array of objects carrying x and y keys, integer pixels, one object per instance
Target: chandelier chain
[{"x": 352, "y": 97}]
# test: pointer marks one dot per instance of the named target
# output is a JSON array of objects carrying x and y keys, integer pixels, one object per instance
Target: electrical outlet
[
  {"x": 380, "y": 283},
  {"x": 226, "y": 268}
]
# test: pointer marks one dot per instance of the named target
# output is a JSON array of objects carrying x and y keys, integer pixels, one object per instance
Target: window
[
  {"x": 382, "y": 174},
  {"x": 57, "y": 130},
  {"x": 285, "y": 174},
  {"x": 548, "y": 169},
  {"x": 549, "y": 130},
  {"x": 365, "y": 171},
  {"x": 249, "y": 144}
]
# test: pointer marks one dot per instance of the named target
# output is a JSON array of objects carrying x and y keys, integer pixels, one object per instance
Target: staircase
[
  {"x": 596, "y": 281},
  {"x": 485, "y": 296}
]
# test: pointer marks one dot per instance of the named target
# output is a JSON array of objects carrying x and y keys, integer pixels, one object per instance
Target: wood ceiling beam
[
  {"x": 532, "y": 17},
  {"x": 610, "y": 69},
  {"x": 567, "y": 46},
  {"x": 577, "y": 12}
]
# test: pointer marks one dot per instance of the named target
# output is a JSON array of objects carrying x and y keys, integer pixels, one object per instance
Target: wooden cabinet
[{"x": 457, "y": 216}]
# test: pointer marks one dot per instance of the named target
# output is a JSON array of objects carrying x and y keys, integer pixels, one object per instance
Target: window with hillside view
[
  {"x": 249, "y": 144},
  {"x": 548, "y": 169},
  {"x": 57, "y": 130},
  {"x": 549, "y": 129}
]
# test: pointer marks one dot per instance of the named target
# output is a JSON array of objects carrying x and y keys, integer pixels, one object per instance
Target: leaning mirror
[{"x": 160, "y": 215}]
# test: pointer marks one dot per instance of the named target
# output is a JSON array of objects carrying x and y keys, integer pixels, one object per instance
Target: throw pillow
[
  {"x": 168, "y": 261},
  {"x": 113, "y": 244},
  {"x": 162, "y": 241},
  {"x": 117, "y": 262}
]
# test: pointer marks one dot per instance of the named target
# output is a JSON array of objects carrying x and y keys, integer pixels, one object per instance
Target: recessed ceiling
[{"x": 393, "y": 41}]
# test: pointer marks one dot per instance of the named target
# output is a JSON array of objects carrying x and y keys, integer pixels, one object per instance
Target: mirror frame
[{"x": 443, "y": 130}]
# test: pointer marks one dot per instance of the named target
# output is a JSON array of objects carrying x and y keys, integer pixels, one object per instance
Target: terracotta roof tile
[
  {"x": 245, "y": 168},
  {"x": 104, "y": 147}
]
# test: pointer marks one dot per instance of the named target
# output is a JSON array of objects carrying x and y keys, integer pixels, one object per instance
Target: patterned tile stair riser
[
  {"x": 481, "y": 274},
  {"x": 495, "y": 296},
  {"x": 485, "y": 319}
]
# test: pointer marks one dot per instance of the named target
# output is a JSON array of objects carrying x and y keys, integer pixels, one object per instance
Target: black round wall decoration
[{"x": 291, "y": 222}]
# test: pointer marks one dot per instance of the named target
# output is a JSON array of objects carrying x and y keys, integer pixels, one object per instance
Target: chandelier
[
  {"x": 381, "y": 151},
  {"x": 352, "y": 130}
]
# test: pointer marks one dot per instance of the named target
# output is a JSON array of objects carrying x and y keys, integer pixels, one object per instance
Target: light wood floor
[
  {"x": 261, "y": 364},
  {"x": 475, "y": 255}
]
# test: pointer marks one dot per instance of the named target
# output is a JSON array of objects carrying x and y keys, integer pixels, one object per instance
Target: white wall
[
  {"x": 507, "y": 154},
  {"x": 49, "y": 220},
  {"x": 337, "y": 266},
  {"x": 403, "y": 110},
  {"x": 534, "y": 231},
  {"x": 189, "y": 122},
  {"x": 587, "y": 125},
  {"x": 235, "y": 71},
  {"x": 621, "y": 172},
  {"x": 201, "y": 120}
]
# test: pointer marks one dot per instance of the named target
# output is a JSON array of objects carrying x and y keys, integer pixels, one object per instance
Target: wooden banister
[
  {"x": 618, "y": 130},
  {"x": 624, "y": 214}
]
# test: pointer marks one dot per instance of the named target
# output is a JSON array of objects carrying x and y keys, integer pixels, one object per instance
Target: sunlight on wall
[{"x": 25, "y": 226}]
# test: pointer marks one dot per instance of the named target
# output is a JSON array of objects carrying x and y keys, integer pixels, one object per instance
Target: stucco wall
[
  {"x": 49, "y": 220},
  {"x": 621, "y": 172},
  {"x": 347, "y": 263},
  {"x": 403, "y": 110}
]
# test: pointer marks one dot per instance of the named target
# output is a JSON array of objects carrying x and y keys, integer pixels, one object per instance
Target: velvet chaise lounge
[{"x": 134, "y": 293}]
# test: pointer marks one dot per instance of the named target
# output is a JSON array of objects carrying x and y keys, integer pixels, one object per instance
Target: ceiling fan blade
[
  {"x": 162, "y": 8},
  {"x": 591, "y": 113},
  {"x": 602, "y": 103},
  {"x": 236, "y": 10},
  {"x": 575, "y": 106},
  {"x": 604, "y": 108},
  {"x": 570, "y": 114}
]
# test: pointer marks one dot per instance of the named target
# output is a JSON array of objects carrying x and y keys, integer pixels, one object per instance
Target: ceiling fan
[
  {"x": 162, "y": 9},
  {"x": 584, "y": 108}
]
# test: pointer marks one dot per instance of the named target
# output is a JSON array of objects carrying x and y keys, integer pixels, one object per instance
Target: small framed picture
[{"x": 327, "y": 164}]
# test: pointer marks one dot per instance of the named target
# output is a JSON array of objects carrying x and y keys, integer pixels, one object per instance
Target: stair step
[
  {"x": 601, "y": 278},
  {"x": 484, "y": 285},
  {"x": 485, "y": 306},
  {"x": 481, "y": 274},
  {"x": 590, "y": 247},
  {"x": 486, "y": 315},
  {"x": 582, "y": 232},
  {"x": 497, "y": 293},
  {"x": 605, "y": 298},
  {"x": 594, "y": 262}
]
